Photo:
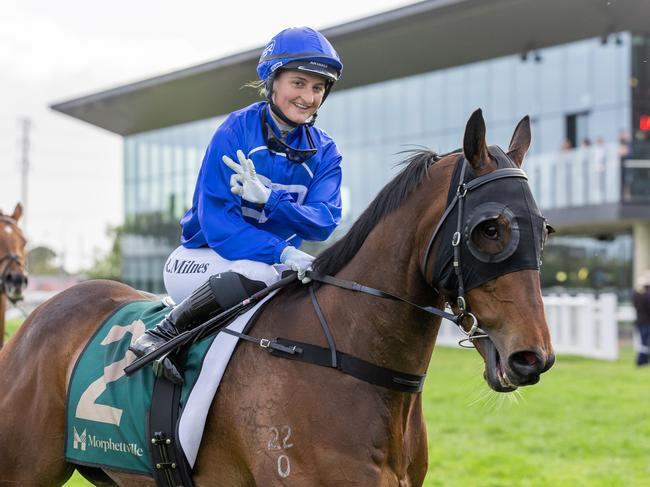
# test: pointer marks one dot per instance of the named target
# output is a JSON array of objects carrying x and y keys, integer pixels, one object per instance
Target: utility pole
[{"x": 26, "y": 125}]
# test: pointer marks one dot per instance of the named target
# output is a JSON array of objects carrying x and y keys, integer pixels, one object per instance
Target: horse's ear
[
  {"x": 520, "y": 141},
  {"x": 474, "y": 144},
  {"x": 18, "y": 212}
]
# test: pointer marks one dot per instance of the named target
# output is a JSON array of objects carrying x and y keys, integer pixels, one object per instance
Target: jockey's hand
[
  {"x": 298, "y": 261},
  {"x": 245, "y": 182}
]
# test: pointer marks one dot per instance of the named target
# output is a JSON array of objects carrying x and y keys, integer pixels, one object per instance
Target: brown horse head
[
  {"x": 13, "y": 276},
  {"x": 498, "y": 240}
]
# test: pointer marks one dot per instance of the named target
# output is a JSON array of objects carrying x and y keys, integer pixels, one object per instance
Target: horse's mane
[{"x": 389, "y": 199}]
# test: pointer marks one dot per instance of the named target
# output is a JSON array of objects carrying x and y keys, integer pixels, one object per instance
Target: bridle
[
  {"x": 9, "y": 257},
  {"x": 459, "y": 199}
]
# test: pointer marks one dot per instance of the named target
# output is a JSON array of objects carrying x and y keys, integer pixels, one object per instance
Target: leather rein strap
[{"x": 355, "y": 286}]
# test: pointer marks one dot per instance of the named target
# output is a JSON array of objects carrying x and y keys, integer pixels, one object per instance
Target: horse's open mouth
[
  {"x": 495, "y": 374},
  {"x": 15, "y": 296}
]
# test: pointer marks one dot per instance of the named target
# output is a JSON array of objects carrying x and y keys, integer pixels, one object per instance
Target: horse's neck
[{"x": 387, "y": 332}]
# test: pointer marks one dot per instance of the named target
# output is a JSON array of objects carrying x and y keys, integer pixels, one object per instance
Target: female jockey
[{"x": 269, "y": 180}]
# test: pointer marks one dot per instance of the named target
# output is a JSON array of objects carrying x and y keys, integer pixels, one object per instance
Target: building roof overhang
[{"x": 425, "y": 36}]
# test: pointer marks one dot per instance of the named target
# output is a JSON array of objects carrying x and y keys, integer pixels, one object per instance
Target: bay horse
[
  {"x": 13, "y": 276},
  {"x": 283, "y": 422}
]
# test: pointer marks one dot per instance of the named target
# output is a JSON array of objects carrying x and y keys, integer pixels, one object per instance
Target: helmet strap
[
  {"x": 328, "y": 87},
  {"x": 278, "y": 113}
]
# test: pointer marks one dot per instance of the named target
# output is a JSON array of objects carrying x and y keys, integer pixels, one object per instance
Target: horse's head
[
  {"x": 487, "y": 250},
  {"x": 13, "y": 276}
]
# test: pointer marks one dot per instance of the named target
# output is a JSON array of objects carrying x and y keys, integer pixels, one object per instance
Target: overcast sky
[{"x": 55, "y": 51}]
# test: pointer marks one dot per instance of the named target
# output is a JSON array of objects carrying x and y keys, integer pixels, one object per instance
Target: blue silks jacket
[{"x": 305, "y": 200}]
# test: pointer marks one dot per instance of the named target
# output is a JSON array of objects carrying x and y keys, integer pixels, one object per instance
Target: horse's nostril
[
  {"x": 16, "y": 279},
  {"x": 526, "y": 363},
  {"x": 529, "y": 357}
]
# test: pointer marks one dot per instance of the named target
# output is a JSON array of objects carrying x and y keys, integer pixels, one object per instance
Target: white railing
[
  {"x": 579, "y": 177},
  {"x": 580, "y": 325}
]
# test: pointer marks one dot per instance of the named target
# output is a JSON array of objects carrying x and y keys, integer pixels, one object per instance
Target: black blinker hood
[{"x": 510, "y": 197}]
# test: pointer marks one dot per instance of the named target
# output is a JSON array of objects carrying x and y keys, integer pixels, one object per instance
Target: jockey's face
[{"x": 298, "y": 95}]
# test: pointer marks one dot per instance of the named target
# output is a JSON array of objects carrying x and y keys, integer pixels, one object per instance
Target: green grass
[
  {"x": 585, "y": 424},
  {"x": 11, "y": 326},
  {"x": 77, "y": 481}
]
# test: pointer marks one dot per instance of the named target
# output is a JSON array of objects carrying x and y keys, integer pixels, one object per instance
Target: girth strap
[
  {"x": 170, "y": 467},
  {"x": 356, "y": 367}
]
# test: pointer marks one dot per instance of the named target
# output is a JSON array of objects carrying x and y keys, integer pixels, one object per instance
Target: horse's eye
[{"x": 490, "y": 230}]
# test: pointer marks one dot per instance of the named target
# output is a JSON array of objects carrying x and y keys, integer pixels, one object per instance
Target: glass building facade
[{"x": 575, "y": 91}]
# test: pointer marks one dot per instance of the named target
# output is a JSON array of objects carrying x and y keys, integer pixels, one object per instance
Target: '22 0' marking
[{"x": 284, "y": 432}]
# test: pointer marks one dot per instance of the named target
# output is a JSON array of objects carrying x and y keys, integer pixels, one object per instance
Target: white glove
[
  {"x": 245, "y": 182},
  {"x": 298, "y": 261}
]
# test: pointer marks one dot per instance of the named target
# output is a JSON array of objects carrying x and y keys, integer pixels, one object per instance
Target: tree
[
  {"x": 109, "y": 265},
  {"x": 41, "y": 261}
]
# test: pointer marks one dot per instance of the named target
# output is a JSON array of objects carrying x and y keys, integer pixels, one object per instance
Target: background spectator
[{"x": 642, "y": 307}]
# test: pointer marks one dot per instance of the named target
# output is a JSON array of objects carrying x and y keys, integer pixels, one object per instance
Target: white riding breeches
[{"x": 186, "y": 269}]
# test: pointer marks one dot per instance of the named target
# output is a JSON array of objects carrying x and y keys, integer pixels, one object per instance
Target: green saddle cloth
[{"x": 107, "y": 412}]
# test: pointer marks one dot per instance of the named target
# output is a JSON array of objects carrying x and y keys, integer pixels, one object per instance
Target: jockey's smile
[{"x": 298, "y": 95}]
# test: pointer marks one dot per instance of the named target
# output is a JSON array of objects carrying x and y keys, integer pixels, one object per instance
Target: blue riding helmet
[{"x": 302, "y": 49}]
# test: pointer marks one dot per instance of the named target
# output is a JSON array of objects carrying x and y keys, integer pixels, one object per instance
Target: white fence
[
  {"x": 580, "y": 325},
  {"x": 579, "y": 177}
]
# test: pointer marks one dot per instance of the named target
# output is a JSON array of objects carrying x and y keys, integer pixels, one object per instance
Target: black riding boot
[
  {"x": 219, "y": 293},
  {"x": 197, "y": 308}
]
